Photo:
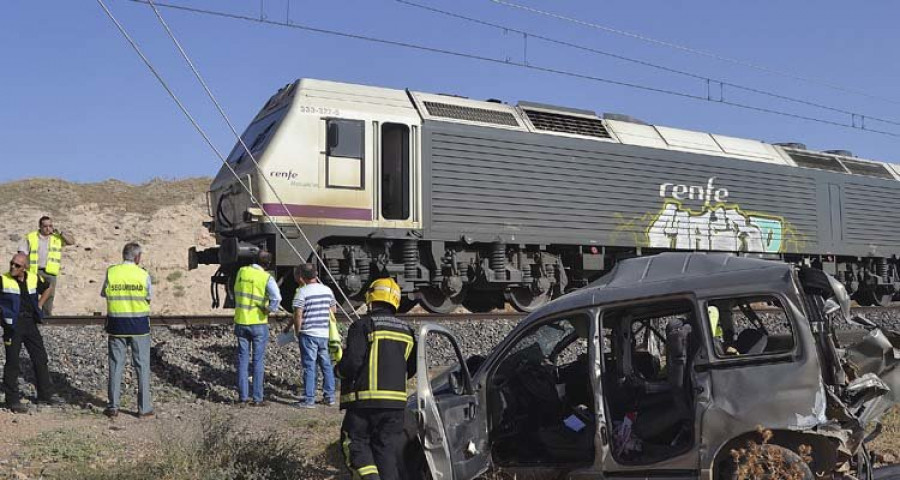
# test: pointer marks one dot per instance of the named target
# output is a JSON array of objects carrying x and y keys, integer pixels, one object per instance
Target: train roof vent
[
  {"x": 821, "y": 162},
  {"x": 794, "y": 145},
  {"x": 842, "y": 153},
  {"x": 561, "y": 123},
  {"x": 470, "y": 114},
  {"x": 870, "y": 169},
  {"x": 621, "y": 117}
]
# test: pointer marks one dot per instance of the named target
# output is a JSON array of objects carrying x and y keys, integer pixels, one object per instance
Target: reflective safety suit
[{"x": 378, "y": 360}]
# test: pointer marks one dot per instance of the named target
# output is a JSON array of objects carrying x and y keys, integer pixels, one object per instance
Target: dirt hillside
[{"x": 163, "y": 216}]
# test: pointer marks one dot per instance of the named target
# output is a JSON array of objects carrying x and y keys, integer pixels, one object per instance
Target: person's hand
[{"x": 56, "y": 231}]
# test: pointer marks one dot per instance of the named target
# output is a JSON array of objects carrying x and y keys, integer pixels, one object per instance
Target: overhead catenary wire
[
  {"x": 252, "y": 157},
  {"x": 722, "y": 83},
  {"x": 854, "y": 125},
  {"x": 197, "y": 126},
  {"x": 695, "y": 51}
]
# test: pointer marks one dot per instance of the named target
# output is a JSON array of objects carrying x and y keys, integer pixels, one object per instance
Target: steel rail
[
  {"x": 227, "y": 319},
  {"x": 207, "y": 320}
]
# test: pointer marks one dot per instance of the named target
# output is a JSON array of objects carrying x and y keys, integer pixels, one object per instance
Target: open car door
[{"x": 452, "y": 422}]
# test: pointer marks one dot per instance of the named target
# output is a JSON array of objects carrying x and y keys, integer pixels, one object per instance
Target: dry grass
[
  {"x": 53, "y": 195},
  {"x": 220, "y": 450}
]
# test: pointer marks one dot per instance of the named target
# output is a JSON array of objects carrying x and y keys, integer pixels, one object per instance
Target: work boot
[{"x": 111, "y": 412}]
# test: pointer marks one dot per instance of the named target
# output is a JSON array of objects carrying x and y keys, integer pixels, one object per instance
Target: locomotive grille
[
  {"x": 866, "y": 168},
  {"x": 817, "y": 161},
  {"x": 554, "y": 122},
  {"x": 471, "y": 114}
]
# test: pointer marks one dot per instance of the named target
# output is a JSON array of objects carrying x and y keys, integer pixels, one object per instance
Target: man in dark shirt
[{"x": 24, "y": 300}]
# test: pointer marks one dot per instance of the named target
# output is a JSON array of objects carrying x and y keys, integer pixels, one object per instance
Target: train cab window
[
  {"x": 749, "y": 326},
  {"x": 395, "y": 191},
  {"x": 344, "y": 162}
]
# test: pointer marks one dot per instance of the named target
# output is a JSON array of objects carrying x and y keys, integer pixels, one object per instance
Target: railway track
[
  {"x": 206, "y": 320},
  {"x": 227, "y": 319}
]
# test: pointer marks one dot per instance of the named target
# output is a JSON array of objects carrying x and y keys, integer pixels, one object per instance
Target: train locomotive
[{"x": 477, "y": 204}]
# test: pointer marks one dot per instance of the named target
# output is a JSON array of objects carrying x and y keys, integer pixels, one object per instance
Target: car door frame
[{"x": 442, "y": 457}]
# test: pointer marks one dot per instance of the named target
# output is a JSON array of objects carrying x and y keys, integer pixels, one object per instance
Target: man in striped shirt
[{"x": 313, "y": 304}]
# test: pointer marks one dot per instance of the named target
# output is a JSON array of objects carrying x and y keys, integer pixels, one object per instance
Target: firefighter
[{"x": 373, "y": 390}]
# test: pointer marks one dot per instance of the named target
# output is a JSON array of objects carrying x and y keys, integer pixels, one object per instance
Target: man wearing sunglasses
[
  {"x": 22, "y": 295},
  {"x": 44, "y": 249}
]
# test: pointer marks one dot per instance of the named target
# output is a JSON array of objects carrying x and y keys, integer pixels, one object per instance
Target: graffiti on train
[{"x": 718, "y": 227}]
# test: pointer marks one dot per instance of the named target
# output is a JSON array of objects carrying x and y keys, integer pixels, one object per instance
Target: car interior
[
  {"x": 647, "y": 357},
  {"x": 540, "y": 399}
]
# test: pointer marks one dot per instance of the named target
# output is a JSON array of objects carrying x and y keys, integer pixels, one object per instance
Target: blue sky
[{"x": 77, "y": 103}]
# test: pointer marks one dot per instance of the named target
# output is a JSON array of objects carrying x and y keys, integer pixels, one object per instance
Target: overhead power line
[
  {"x": 206, "y": 137},
  {"x": 708, "y": 80},
  {"x": 694, "y": 51},
  {"x": 855, "y": 123},
  {"x": 252, "y": 157}
]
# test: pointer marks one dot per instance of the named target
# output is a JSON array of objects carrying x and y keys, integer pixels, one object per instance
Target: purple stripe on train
[{"x": 317, "y": 211}]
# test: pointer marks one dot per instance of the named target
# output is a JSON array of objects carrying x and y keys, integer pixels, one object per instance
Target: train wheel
[
  {"x": 482, "y": 302},
  {"x": 524, "y": 300},
  {"x": 435, "y": 300},
  {"x": 871, "y": 298}
]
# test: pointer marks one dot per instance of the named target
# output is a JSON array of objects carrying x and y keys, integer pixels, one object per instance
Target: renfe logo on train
[{"x": 694, "y": 192}]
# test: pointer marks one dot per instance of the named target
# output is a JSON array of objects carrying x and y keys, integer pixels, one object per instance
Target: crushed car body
[{"x": 662, "y": 368}]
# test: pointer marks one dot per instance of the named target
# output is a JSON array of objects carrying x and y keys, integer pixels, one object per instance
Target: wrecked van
[{"x": 660, "y": 369}]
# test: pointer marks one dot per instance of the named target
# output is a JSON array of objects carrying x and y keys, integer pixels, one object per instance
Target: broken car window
[{"x": 749, "y": 326}]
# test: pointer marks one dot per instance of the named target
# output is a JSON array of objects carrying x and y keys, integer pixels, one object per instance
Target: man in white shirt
[
  {"x": 44, "y": 249},
  {"x": 313, "y": 304}
]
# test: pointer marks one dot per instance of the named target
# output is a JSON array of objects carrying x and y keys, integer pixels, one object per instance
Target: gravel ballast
[{"x": 198, "y": 362}]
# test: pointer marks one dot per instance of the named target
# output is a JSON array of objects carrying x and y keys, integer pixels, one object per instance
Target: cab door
[
  {"x": 396, "y": 175},
  {"x": 452, "y": 422}
]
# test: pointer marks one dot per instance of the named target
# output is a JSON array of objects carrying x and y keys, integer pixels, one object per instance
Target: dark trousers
[
  {"x": 371, "y": 441},
  {"x": 27, "y": 334}
]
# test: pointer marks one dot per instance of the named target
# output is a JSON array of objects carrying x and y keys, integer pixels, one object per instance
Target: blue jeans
[
  {"x": 251, "y": 339},
  {"x": 314, "y": 350}
]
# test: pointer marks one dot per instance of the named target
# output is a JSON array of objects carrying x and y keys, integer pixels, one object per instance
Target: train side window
[
  {"x": 750, "y": 326},
  {"x": 344, "y": 163},
  {"x": 395, "y": 201}
]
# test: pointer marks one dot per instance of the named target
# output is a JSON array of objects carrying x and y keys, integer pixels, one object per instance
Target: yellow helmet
[{"x": 384, "y": 290}]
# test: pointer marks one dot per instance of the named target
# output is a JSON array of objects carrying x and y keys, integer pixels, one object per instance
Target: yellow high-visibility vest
[
  {"x": 54, "y": 253},
  {"x": 250, "y": 299},
  {"x": 127, "y": 307}
]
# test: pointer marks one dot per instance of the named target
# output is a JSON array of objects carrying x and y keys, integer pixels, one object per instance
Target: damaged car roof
[{"x": 704, "y": 274}]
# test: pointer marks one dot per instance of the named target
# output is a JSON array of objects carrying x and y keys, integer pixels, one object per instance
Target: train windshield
[{"x": 257, "y": 136}]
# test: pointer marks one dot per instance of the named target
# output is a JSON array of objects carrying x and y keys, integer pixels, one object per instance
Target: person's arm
[
  {"x": 297, "y": 321},
  {"x": 149, "y": 288},
  {"x": 298, "y": 304},
  {"x": 8, "y": 321},
  {"x": 103, "y": 288},
  {"x": 355, "y": 353},
  {"x": 274, "y": 294},
  {"x": 66, "y": 237}
]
